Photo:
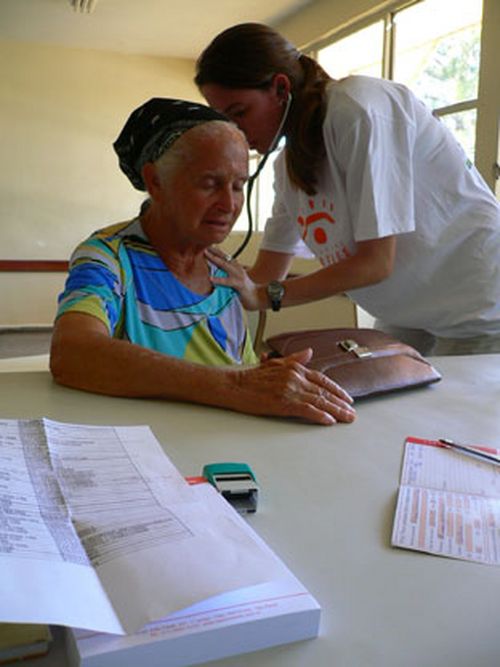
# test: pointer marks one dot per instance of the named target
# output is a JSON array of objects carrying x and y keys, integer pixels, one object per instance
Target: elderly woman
[{"x": 140, "y": 315}]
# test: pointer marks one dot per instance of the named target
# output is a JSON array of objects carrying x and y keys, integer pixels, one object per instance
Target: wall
[
  {"x": 317, "y": 19},
  {"x": 59, "y": 180}
]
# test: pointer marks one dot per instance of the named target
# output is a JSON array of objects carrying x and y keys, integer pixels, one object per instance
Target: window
[
  {"x": 262, "y": 195},
  {"x": 358, "y": 53},
  {"x": 241, "y": 225},
  {"x": 432, "y": 46},
  {"x": 436, "y": 54}
]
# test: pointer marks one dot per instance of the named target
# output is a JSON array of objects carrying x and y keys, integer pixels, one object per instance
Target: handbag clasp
[{"x": 350, "y": 345}]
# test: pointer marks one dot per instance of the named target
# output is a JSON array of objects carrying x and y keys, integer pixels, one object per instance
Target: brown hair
[{"x": 249, "y": 55}]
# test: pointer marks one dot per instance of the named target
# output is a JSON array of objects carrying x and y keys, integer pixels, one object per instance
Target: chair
[{"x": 257, "y": 324}]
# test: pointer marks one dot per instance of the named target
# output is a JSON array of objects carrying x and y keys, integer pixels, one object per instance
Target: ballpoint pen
[{"x": 469, "y": 451}]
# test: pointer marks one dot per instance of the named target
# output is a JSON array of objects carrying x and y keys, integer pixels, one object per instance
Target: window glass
[
  {"x": 463, "y": 126},
  {"x": 437, "y": 45},
  {"x": 262, "y": 194},
  {"x": 265, "y": 197},
  {"x": 359, "y": 53},
  {"x": 241, "y": 225}
]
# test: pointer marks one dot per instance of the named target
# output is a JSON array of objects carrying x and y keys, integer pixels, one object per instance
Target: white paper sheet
[
  {"x": 99, "y": 530},
  {"x": 448, "y": 504},
  {"x": 240, "y": 621}
]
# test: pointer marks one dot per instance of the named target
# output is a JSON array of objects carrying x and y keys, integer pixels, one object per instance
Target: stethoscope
[{"x": 256, "y": 173}]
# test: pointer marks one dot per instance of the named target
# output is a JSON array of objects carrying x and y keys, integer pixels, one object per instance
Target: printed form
[
  {"x": 448, "y": 504},
  {"x": 99, "y": 530},
  {"x": 247, "y": 619}
]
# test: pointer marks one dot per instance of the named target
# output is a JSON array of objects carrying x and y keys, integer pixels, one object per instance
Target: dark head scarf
[{"x": 152, "y": 128}]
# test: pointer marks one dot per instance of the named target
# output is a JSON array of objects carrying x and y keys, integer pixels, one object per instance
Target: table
[{"x": 326, "y": 508}]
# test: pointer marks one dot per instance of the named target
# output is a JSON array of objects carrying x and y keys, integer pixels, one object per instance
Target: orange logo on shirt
[{"x": 319, "y": 233}]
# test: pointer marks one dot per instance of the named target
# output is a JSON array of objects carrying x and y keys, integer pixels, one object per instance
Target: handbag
[{"x": 365, "y": 362}]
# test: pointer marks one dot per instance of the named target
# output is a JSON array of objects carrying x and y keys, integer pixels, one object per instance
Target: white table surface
[{"x": 326, "y": 507}]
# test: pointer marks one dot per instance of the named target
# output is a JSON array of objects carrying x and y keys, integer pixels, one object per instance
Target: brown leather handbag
[{"x": 365, "y": 362}]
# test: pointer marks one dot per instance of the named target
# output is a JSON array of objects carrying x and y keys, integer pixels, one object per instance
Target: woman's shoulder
[
  {"x": 356, "y": 98},
  {"x": 119, "y": 230},
  {"x": 357, "y": 92},
  {"x": 347, "y": 102},
  {"x": 359, "y": 85},
  {"x": 108, "y": 241}
]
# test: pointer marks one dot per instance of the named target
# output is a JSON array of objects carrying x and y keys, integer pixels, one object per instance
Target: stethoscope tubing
[{"x": 253, "y": 177}]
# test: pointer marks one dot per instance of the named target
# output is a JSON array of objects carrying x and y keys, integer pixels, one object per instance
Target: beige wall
[
  {"x": 321, "y": 17},
  {"x": 60, "y": 111}
]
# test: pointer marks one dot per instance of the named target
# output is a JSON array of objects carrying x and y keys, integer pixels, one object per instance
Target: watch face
[{"x": 275, "y": 291}]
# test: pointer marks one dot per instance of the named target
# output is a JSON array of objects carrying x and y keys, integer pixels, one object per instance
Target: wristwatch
[{"x": 275, "y": 291}]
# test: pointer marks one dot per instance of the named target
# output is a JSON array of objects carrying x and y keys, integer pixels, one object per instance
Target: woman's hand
[
  {"x": 237, "y": 278},
  {"x": 286, "y": 387}
]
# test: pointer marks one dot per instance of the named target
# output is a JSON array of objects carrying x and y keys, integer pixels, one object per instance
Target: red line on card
[{"x": 423, "y": 519}]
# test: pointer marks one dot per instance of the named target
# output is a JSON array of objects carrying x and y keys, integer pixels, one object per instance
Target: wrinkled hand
[
  {"x": 237, "y": 278},
  {"x": 285, "y": 387}
]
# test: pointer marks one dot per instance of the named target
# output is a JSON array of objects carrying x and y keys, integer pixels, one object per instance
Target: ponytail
[{"x": 305, "y": 147}]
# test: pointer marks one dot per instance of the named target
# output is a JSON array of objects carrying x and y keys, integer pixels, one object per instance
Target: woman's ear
[
  {"x": 151, "y": 179},
  {"x": 282, "y": 86}
]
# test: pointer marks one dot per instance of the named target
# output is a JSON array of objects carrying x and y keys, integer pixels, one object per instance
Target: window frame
[
  {"x": 388, "y": 50},
  {"x": 486, "y": 104}
]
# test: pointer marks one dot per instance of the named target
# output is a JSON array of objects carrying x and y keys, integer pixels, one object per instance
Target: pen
[{"x": 469, "y": 451}]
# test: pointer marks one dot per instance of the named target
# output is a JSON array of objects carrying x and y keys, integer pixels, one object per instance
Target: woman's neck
[{"x": 188, "y": 263}]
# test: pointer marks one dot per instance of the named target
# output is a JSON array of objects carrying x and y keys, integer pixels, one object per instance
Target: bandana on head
[{"x": 152, "y": 128}]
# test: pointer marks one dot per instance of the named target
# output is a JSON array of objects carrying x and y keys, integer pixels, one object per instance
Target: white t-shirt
[{"x": 392, "y": 168}]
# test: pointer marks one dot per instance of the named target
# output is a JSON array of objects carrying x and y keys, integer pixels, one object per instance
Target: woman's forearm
[
  {"x": 83, "y": 356},
  {"x": 372, "y": 263},
  {"x": 98, "y": 363}
]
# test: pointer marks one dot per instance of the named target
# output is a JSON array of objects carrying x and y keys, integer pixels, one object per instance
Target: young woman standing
[{"x": 373, "y": 183}]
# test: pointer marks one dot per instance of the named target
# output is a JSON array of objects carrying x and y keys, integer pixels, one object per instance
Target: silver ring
[{"x": 228, "y": 258}]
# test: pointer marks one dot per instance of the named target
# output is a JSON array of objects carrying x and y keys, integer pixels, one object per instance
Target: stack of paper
[
  {"x": 248, "y": 619},
  {"x": 102, "y": 531}
]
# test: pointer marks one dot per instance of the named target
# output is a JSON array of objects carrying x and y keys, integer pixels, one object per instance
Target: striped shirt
[{"x": 117, "y": 276}]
